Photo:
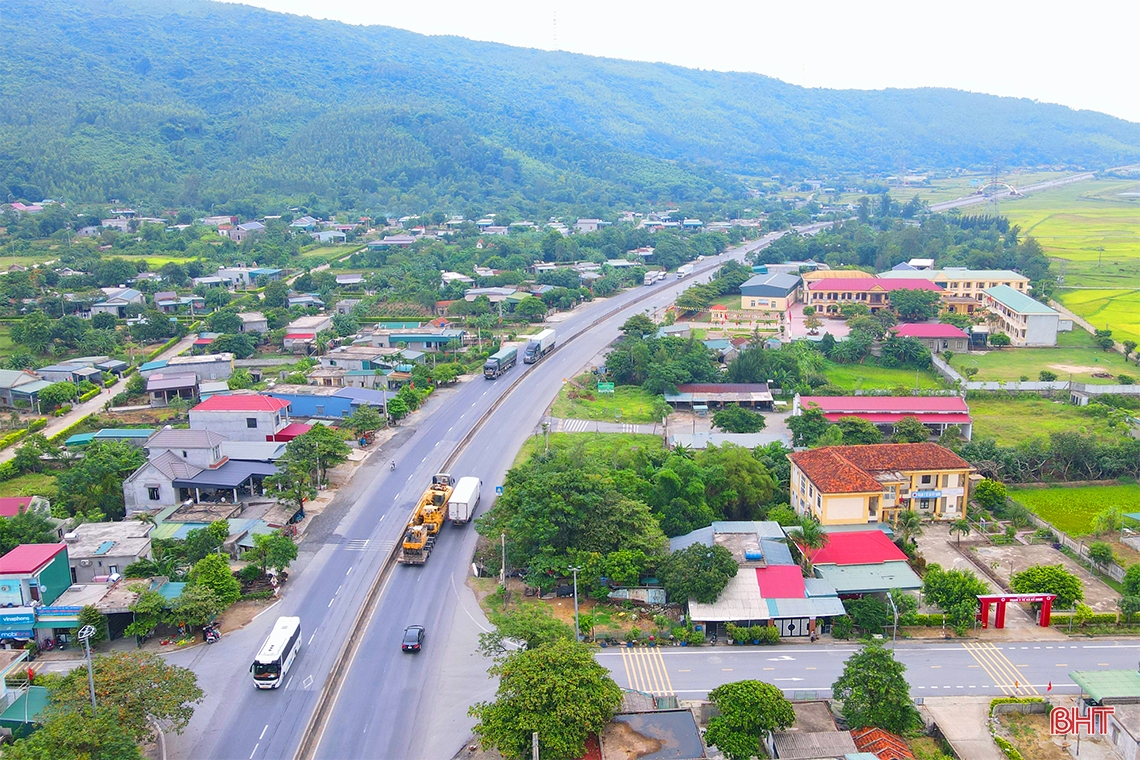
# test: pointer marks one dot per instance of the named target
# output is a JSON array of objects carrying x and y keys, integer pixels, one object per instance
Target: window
[
  {"x": 945, "y": 481},
  {"x": 891, "y": 492},
  {"x": 927, "y": 479},
  {"x": 320, "y": 411},
  {"x": 152, "y": 492},
  {"x": 251, "y": 422},
  {"x": 112, "y": 569},
  {"x": 183, "y": 454}
]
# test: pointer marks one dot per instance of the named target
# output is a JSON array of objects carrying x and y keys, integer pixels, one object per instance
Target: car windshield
[{"x": 411, "y": 636}]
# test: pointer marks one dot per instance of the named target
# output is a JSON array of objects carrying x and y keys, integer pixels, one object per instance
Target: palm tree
[
  {"x": 808, "y": 539},
  {"x": 961, "y": 526},
  {"x": 908, "y": 526}
]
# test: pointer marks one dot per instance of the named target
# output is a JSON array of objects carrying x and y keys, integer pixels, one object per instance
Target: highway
[
  {"x": 395, "y": 705},
  {"x": 934, "y": 668},
  {"x": 975, "y": 199}
]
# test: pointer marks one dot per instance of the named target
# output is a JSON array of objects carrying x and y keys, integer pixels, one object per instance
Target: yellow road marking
[
  {"x": 1004, "y": 673},
  {"x": 646, "y": 671}
]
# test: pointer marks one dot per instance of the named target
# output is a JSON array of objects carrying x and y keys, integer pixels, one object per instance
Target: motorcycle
[
  {"x": 212, "y": 634},
  {"x": 393, "y": 465},
  {"x": 47, "y": 645}
]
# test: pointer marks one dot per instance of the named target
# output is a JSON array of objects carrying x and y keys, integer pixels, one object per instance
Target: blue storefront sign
[
  {"x": 926, "y": 494},
  {"x": 11, "y": 619},
  {"x": 15, "y": 634}
]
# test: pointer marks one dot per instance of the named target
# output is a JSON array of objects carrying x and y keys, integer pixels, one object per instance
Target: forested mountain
[{"x": 207, "y": 104}]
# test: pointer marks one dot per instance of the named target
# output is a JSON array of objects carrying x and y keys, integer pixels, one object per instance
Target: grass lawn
[
  {"x": 6, "y": 344},
  {"x": 1072, "y": 509},
  {"x": 1075, "y": 353},
  {"x": 634, "y": 403},
  {"x": 1013, "y": 420},
  {"x": 616, "y": 446},
  {"x": 31, "y": 484},
  {"x": 854, "y": 377}
]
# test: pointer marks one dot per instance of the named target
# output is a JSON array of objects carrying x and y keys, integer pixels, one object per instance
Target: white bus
[{"x": 277, "y": 653}]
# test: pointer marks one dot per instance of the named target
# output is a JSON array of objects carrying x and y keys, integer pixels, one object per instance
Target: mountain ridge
[{"x": 202, "y": 103}]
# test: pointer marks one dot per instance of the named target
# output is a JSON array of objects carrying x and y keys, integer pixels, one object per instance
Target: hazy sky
[{"x": 1079, "y": 54}]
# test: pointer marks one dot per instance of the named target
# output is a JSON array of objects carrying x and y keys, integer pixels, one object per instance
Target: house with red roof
[
  {"x": 937, "y": 413},
  {"x": 34, "y": 573},
  {"x": 882, "y": 744},
  {"x": 10, "y": 506},
  {"x": 861, "y": 562},
  {"x": 861, "y": 485},
  {"x": 242, "y": 416},
  {"x": 935, "y": 336},
  {"x": 830, "y": 295}
]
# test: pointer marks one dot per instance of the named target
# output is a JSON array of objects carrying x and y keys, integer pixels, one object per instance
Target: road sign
[
  {"x": 86, "y": 632},
  {"x": 605, "y": 387},
  {"x": 499, "y": 490}
]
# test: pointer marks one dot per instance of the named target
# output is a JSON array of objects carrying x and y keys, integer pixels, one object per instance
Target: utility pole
[
  {"x": 85, "y": 634},
  {"x": 534, "y": 745},
  {"x": 503, "y": 571},
  {"x": 577, "y": 632}
]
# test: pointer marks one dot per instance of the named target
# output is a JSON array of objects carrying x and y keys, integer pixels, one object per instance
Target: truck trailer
[
  {"x": 426, "y": 520},
  {"x": 500, "y": 362},
  {"x": 684, "y": 271},
  {"x": 464, "y": 500},
  {"x": 540, "y": 345}
]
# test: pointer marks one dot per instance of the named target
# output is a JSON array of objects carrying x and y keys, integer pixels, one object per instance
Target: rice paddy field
[{"x": 1071, "y": 509}]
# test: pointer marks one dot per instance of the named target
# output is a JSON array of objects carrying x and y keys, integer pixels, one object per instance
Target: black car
[{"x": 413, "y": 638}]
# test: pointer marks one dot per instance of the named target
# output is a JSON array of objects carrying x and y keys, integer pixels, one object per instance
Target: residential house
[
  {"x": 305, "y": 300},
  {"x": 327, "y": 402},
  {"x": 10, "y": 506},
  {"x": 696, "y": 395},
  {"x": 858, "y": 562},
  {"x": 494, "y": 295},
  {"x": 169, "y": 302},
  {"x": 165, "y": 386},
  {"x": 347, "y": 305},
  {"x": 33, "y": 574},
  {"x": 18, "y": 387},
  {"x": 829, "y": 295},
  {"x": 116, "y": 302},
  {"x": 936, "y": 337},
  {"x": 1124, "y": 731},
  {"x": 304, "y": 223},
  {"x": 419, "y": 340},
  {"x": 392, "y": 241},
  {"x": 241, "y": 416},
  {"x": 98, "y": 550},
  {"x": 301, "y": 332},
  {"x": 171, "y": 455},
  {"x": 242, "y": 232},
  {"x": 361, "y": 357},
  {"x": 204, "y": 366},
  {"x": 770, "y": 293},
  {"x": 350, "y": 280},
  {"x": 1027, "y": 322},
  {"x": 588, "y": 225},
  {"x": 858, "y": 485},
  {"x": 963, "y": 288},
  {"x": 74, "y": 371},
  {"x": 326, "y": 237},
  {"x": 446, "y": 278},
  {"x": 936, "y": 413},
  {"x": 253, "y": 322},
  {"x": 218, "y": 221},
  {"x": 120, "y": 224}
]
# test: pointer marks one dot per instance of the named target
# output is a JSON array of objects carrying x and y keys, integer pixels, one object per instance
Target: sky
[{"x": 1077, "y": 54}]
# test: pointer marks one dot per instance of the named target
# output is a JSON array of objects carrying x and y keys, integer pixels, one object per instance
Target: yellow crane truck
[{"x": 427, "y": 518}]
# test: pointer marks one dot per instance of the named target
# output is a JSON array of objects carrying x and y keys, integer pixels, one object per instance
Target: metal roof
[
  {"x": 762, "y": 528},
  {"x": 813, "y": 745},
  {"x": 253, "y": 451},
  {"x": 230, "y": 475},
  {"x": 812, "y": 607},
  {"x": 1017, "y": 302},
  {"x": 1113, "y": 685},
  {"x": 27, "y": 558},
  {"x": 171, "y": 438},
  {"x": 776, "y": 552},
  {"x": 867, "y": 579}
]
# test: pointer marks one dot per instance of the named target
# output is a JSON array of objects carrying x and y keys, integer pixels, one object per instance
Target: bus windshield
[
  {"x": 266, "y": 670},
  {"x": 272, "y": 663}
]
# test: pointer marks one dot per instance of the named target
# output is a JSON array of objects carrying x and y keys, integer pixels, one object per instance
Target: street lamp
[
  {"x": 577, "y": 633},
  {"x": 85, "y": 634}
]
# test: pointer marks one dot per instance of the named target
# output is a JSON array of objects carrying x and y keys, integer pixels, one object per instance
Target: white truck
[
  {"x": 685, "y": 270},
  {"x": 464, "y": 500},
  {"x": 539, "y": 346},
  {"x": 653, "y": 276}
]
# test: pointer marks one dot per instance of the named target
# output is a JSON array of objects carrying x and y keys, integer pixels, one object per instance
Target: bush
[
  {"x": 249, "y": 573},
  {"x": 842, "y": 628},
  {"x": 1126, "y": 379},
  {"x": 89, "y": 395}
]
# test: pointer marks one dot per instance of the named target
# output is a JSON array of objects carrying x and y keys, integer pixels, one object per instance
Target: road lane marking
[
  {"x": 349, "y": 570},
  {"x": 685, "y": 670},
  {"x": 307, "y": 682},
  {"x": 1102, "y": 664},
  {"x": 998, "y": 667},
  {"x": 286, "y": 689},
  {"x": 263, "y": 732},
  {"x": 726, "y": 670},
  {"x": 330, "y": 602},
  {"x": 769, "y": 668},
  {"x": 311, "y": 639},
  {"x": 251, "y": 754}
]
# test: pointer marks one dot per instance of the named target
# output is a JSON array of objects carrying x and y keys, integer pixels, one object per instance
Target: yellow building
[
  {"x": 964, "y": 288},
  {"x": 857, "y": 485},
  {"x": 773, "y": 293}
]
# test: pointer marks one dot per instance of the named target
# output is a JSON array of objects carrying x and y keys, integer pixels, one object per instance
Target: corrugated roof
[
  {"x": 814, "y": 607},
  {"x": 27, "y": 558},
  {"x": 10, "y": 506},
  {"x": 241, "y": 403},
  {"x": 776, "y": 552},
  {"x": 813, "y": 745},
  {"x": 120, "y": 433},
  {"x": 762, "y": 528},
  {"x": 780, "y": 582},
  {"x": 1016, "y": 301},
  {"x": 869, "y": 579},
  {"x": 1108, "y": 684},
  {"x": 857, "y": 548},
  {"x": 230, "y": 475},
  {"x": 925, "y": 330},
  {"x": 898, "y": 404},
  {"x": 179, "y": 438}
]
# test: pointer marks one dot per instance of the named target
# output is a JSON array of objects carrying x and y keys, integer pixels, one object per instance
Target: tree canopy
[
  {"x": 874, "y": 692},
  {"x": 748, "y": 711}
]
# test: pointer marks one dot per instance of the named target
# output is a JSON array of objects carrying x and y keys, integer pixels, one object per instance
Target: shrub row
[
  {"x": 16, "y": 435},
  {"x": 67, "y": 432},
  {"x": 90, "y": 395},
  {"x": 1013, "y": 701},
  {"x": 1110, "y": 618},
  {"x": 168, "y": 344},
  {"x": 1008, "y": 749}
]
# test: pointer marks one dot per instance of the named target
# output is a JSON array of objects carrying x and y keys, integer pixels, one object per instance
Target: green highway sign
[{"x": 605, "y": 387}]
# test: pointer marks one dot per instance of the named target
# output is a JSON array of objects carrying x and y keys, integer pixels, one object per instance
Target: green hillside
[{"x": 207, "y": 104}]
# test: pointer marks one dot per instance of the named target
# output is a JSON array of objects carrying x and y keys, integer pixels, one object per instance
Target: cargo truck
[
  {"x": 684, "y": 270},
  {"x": 540, "y": 345},
  {"x": 500, "y": 362},
  {"x": 464, "y": 500},
  {"x": 654, "y": 276},
  {"x": 426, "y": 520}
]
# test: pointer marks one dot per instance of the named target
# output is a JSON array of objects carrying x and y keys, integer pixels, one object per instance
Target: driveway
[
  {"x": 837, "y": 327},
  {"x": 1017, "y": 557}
]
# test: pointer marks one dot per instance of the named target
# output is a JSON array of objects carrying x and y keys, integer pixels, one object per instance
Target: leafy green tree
[
  {"x": 103, "y": 321},
  {"x": 736, "y": 483},
  {"x": 1100, "y": 553},
  {"x": 531, "y": 309},
  {"x": 89, "y": 615},
  {"x": 25, "y": 528},
  {"x": 275, "y": 295},
  {"x": 225, "y": 321},
  {"x": 57, "y": 394},
  {"x": 445, "y": 374},
  {"x": 736, "y": 419},
  {"x": 908, "y": 526},
  {"x": 65, "y": 733},
  {"x": 955, "y": 592},
  {"x": 321, "y": 445},
  {"x": 531, "y": 624},
  {"x": 557, "y": 690},
  {"x": 1129, "y": 606},
  {"x": 874, "y": 692},
  {"x": 697, "y": 572},
  {"x": 134, "y": 687},
  {"x": 1129, "y": 347},
  {"x": 292, "y": 485},
  {"x": 213, "y": 572},
  {"x": 808, "y": 539},
  {"x": 870, "y": 614},
  {"x": 1132, "y": 580},
  {"x": 857, "y": 431},
  {"x": 807, "y": 427},
  {"x": 33, "y": 332},
  {"x": 1050, "y": 579},
  {"x": 783, "y": 514},
  {"x": 274, "y": 550},
  {"x": 94, "y": 484},
  {"x": 345, "y": 325},
  {"x": 241, "y": 379},
  {"x": 1046, "y": 376},
  {"x": 241, "y": 345},
  {"x": 962, "y": 527},
  {"x": 910, "y": 430},
  {"x": 195, "y": 606},
  {"x": 915, "y": 305},
  {"x": 1000, "y": 340},
  {"x": 149, "y": 612},
  {"x": 364, "y": 419},
  {"x": 748, "y": 711},
  {"x": 990, "y": 495},
  {"x": 1108, "y": 520}
]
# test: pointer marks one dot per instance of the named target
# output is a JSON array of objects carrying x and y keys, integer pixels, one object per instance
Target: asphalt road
[
  {"x": 941, "y": 668},
  {"x": 973, "y": 200},
  {"x": 395, "y": 705}
]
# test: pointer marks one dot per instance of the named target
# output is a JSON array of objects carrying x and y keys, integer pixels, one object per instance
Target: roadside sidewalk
[{"x": 964, "y": 721}]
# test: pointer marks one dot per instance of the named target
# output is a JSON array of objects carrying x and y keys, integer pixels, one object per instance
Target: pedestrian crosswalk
[
  {"x": 576, "y": 426},
  {"x": 591, "y": 426},
  {"x": 646, "y": 672},
  {"x": 357, "y": 545}
]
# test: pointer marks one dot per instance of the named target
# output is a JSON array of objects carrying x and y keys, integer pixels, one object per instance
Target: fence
[
  {"x": 1078, "y": 547},
  {"x": 1075, "y": 390}
]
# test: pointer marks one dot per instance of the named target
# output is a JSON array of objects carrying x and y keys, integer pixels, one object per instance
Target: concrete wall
[
  {"x": 97, "y": 566},
  {"x": 1041, "y": 330},
  {"x": 333, "y": 407},
  {"x": 233, "y": 424},
  {"x": 844, "y": 510},
  {"x": 136, "y": 496}
]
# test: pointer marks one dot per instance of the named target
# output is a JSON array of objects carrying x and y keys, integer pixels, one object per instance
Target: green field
[
  {"x": 1072, "y": 509},
  {"x": 1075, "y": 354},
  {"x": 855, "y": 377},
  {"x": 618, "y": 447},
  {"x": 634, "y": 404},
  {"x": 1013, "y": 420},
  {"x": 31, "y": 484}
]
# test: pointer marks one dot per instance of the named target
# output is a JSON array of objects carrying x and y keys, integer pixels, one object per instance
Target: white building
[
  {"x": 253, "y": 322},
  {"x": 1027, "y": 322},
  {"x": 171, "y": 455},
  {"x": 241, "y": 417},
  {"x": 96, "y": 551}
]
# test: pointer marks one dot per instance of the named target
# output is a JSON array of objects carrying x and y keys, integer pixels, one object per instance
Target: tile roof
[
  {"x": 27, "y": 558},
  {"x": 866, "y": 547},
  {"x": 926, "y": 330},
  {"x": 882, "y": 744},
  {"x": 850, "y": 469},
  {"x": 171, "y": 465},
  {"x": 242, "y": 403},
  {"x": 873, "y": 283},
  {"x": 170, "y": 438}
]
